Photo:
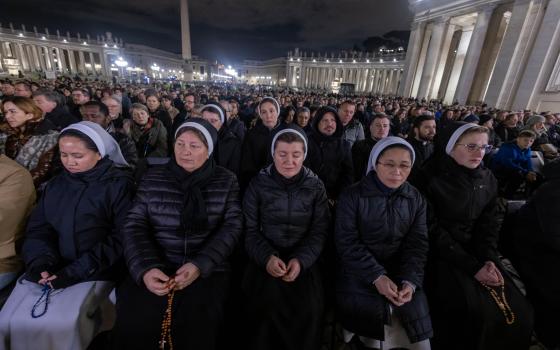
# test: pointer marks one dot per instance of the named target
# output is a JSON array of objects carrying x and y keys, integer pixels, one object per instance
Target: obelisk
[{"x": 186, "y": 39}]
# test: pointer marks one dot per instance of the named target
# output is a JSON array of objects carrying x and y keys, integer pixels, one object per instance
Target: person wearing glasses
[
  {"x": 474, "y": 303},
  {"x": 381, "y": 241}
]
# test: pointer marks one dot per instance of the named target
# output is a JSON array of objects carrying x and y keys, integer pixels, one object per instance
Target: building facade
[
  {"x": 378, "y": 73},
  {"x": 505, "y": 53}
]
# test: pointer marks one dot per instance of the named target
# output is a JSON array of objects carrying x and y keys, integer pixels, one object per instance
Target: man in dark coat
[
  {"x": 379, "y": 127},
  {"x": 329, "y": 155},
  {"x": 98, "y": 113},
  {"x": 423, "y": 132},
  {"x": 54, "y": 110}
]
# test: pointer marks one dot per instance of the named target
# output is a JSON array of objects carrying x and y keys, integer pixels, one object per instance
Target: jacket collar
[{"x": 368, "y": 188}]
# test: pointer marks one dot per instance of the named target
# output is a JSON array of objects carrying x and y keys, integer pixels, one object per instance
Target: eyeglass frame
[
  {"x": 401, "y": 167},
  {"x": 473, "y": 147}
]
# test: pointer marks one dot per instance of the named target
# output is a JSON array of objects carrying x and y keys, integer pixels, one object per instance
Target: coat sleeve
[
  {"x": 356, "y": 259},
  {"x": 160, "y": 143},
  {"x": 234, "y": 162},
  {"x": 109, "y": 250},
  {"x": 258, "y": 248},
  {"x": 248, "y": 168},
  {"x": 359, "y": 163},
  {"x": 415, "y": 247},
  {"x": 129, "y": 152},
  {"x": 140, "y": 249},
  {"x": 308, "y": 250},
  {"x": 40, "y": 248},
  {"x": 347, "y": 167},
  {"x": 222, "y": 243}
]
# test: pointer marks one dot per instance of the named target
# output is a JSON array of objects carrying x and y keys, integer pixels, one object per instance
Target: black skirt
[
  {"x": 466, "y": 317},
  {"x": 282, "y": 315},
  {"x": 197, "y": 321}
]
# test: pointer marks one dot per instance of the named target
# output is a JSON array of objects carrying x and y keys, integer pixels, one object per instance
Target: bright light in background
[
  {"x": 230, "y": 71},
  {"x": 121, "y": 63}
]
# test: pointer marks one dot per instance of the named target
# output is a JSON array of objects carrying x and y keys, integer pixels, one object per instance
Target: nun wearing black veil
[
  {"x": 474, "y": 303},
  {"x": 72, "y": 247}
]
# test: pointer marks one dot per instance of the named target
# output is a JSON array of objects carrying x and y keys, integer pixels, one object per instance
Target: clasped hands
[
  {"x": 160, "y": 284},
  {"x": 386, "y": 287},
  {"x": 489, "y": 274},
  {"x": 278, "y": 269}
]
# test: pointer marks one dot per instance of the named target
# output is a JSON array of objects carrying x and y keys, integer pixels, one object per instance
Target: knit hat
[
  {"x": 484, "y": 118},
  {"x": 209, "y": 132}
]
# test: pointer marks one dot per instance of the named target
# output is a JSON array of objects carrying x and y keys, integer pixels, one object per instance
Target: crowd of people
[{"x": 197, "y": 217}]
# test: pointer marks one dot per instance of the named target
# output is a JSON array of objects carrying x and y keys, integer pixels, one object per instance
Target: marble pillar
[{"x": 432, "y": 58}]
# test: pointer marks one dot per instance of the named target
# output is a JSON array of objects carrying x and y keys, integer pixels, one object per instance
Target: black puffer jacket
[
  {"x": 74, "y": 232},
  {"x": 330, "y": 157},
  {"x": 360, "y": 156},
  {"x": 463, "y": 220},
  {"x": 287, "y": 221},
  {"x": 256, "y": 152},
  {"x": 380, "y": 233},
  {"x": 152, "y": 234},
  {"x": 228, "y": 150}
]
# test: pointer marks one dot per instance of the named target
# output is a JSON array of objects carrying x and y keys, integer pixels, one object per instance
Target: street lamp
[{"x": 121, "y": 64}]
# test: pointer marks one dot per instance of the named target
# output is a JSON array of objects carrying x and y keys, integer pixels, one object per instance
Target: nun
[
  {"x": 72, "y": 248},
  {"x": 474, "y": 302},
  {"x": 286, "y": 222},
  {"x": 382, "y": 246},
  {"x": 228, "y": 146},
  {"x": 183, "y": 225},
  {"x": 256, "y": 144}
]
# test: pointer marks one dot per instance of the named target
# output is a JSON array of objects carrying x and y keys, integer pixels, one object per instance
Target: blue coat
[{"x": 512, "y": 158}]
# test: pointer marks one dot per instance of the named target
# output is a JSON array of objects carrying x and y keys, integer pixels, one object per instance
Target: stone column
[
  {"x": 515, "y": 45},
  {"x": 473, "y": 54},
  {"x": 457, "y": 65},
  {"x": 82, "y": 62},
  {"x": 442, "y": 60},
  {"x": 544, "y": 54},
  {"x": 50, "y": 58},
  {"x": 412, "y": 56},
  {"x": 433, "y": 54},
  {"x": 72, "y": 59},
  {"x": 92, "y": 62}
]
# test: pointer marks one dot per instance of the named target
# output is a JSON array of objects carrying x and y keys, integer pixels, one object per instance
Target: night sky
[{"x": 227, "y": 30}]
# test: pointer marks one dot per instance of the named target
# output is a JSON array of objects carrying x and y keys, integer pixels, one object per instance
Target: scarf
[
  {"x": 194, "y": 216},
  {"x": 288, "y": 184}
]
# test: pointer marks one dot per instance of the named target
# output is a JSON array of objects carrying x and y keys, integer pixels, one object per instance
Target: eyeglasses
[
  {"x": 393, "y": 166},
  {"x": 472, "y": 147}
]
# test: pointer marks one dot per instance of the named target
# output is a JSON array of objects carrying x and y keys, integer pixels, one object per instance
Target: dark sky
[{"x": 227, "y": 30}]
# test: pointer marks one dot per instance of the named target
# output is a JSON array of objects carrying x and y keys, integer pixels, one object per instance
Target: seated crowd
[{"x": 210, "y": 217}]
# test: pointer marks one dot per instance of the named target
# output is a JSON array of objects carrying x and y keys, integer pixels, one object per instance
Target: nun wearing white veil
[
  {"x": 382, "y": 245},
  {"x": 72, "y": 247}
]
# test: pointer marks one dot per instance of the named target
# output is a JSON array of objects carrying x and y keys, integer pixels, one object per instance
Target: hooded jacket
[{"x": 330, "y": 157}]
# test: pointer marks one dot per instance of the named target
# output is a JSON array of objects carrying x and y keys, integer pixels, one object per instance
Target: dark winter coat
[
  {"x": 75, "y": 230},
  {"x": 152, "y": 232},
  {"x": 61, "y": 118},
  {"x": 256, "y": 152},
  {"x": 537, "y": 251},
  {"x": 228, "y": 150},
  {"x": 379, "y": 233},
  {"x": 360, "y": 156},
  {"x": 289, "y": 222}
]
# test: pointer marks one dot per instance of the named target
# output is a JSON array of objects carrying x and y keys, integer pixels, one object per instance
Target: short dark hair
[
  {"x": 103, "y": 109},
  {"x": 527, "y": 133},
  {"x": 289, "y": 137},
  {"x": 25, "y": 84},
  {"x": 417, "y": 122},
  {"x": 348, "y": 102},
  {"x": 84, "y": 91}
]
